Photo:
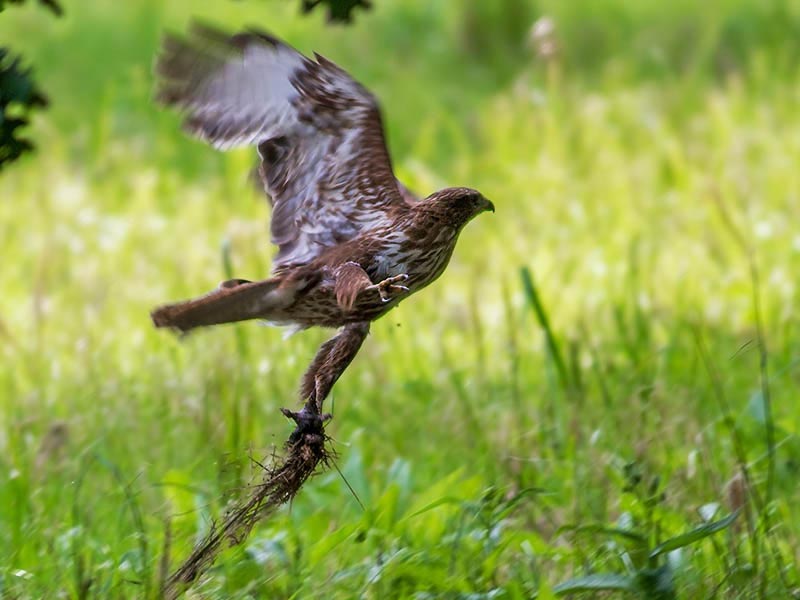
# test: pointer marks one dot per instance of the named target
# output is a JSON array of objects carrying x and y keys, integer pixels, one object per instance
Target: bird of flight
[{"x": 352, "y": 240}]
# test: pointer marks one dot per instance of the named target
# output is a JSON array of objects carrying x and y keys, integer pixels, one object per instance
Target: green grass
[{"x": 501, "y": 427}]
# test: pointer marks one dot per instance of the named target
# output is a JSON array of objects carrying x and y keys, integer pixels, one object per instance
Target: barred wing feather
[{"x": 319, "y": 135}]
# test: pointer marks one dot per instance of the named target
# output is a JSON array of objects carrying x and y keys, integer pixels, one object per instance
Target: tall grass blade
[{"x": 532, "y": 295}]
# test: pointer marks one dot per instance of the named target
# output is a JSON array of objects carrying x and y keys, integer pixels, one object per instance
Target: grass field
[{"x": 610, "y": 361}]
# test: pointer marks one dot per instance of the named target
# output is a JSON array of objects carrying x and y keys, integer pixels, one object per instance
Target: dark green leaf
[
  {"x": 338, "y": 10},
  {"x": 18, "y": 97},
  {"x": 596, "y": 583},
  {"x": 694, "y": 535},
  {"x": 51, "y": 4}
]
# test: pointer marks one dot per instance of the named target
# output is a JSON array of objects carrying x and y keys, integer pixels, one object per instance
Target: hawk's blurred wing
[{"x": 319, "y": 134}]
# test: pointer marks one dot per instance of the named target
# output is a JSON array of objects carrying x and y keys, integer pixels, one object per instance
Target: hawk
[{"x": 352, "y": 240}]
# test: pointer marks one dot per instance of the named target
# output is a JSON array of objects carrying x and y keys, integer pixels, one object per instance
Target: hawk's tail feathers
[{"x": 232, "y": 301}]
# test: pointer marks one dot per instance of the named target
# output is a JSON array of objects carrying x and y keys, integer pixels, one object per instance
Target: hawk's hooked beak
[{"x": 489, "y": 205}]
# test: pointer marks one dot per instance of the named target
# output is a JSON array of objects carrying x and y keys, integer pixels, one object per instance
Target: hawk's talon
[
  {"x": 309, "y": 422},
  {"x": 390, "y": 287}
]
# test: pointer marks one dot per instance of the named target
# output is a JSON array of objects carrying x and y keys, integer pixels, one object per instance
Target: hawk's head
[{"x": 458, "y": 204}]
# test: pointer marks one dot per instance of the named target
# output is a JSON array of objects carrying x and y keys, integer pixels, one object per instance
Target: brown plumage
[{"x": 352, "y": 240}]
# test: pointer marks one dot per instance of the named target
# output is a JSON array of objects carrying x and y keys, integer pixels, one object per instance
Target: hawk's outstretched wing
[{"x": 324, "y": 160}]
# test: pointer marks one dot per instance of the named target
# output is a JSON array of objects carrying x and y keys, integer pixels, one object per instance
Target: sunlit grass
[{"x": 467, "y": 446}]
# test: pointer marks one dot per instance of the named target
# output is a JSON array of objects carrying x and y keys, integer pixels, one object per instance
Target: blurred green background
[{"x": 643, "y": 158}]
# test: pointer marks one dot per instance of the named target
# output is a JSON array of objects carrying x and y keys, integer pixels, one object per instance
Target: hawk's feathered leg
[
  {"x": 351, "y": 280},
  {"x": 331, "y": 360}
]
